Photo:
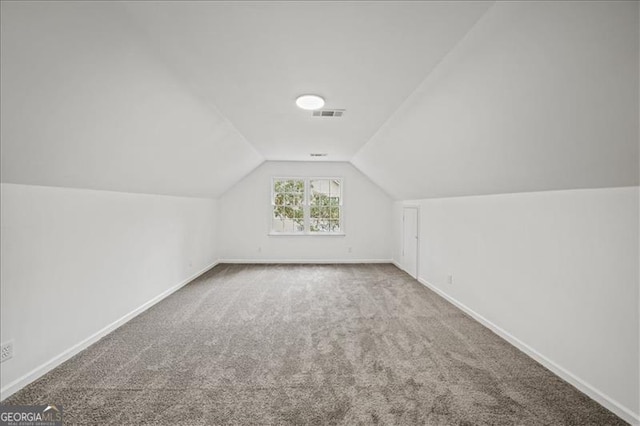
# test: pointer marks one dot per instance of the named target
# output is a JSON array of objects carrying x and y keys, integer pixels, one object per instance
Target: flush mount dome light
[{"x": 310, "y": 102}]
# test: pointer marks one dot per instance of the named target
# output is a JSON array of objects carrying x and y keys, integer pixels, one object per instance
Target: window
[
  {"x": 306, "y": 206},
  {"x": 324, "y": 205},
  {"x": 288, "y": 205}
]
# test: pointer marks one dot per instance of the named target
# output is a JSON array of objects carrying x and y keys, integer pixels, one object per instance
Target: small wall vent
[
  {"x": 315, "y": 154},
  {"x": 329, "y": 113}
]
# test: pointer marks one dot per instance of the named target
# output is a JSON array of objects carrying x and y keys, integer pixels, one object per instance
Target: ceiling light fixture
[{"x": 309, "y": 102}]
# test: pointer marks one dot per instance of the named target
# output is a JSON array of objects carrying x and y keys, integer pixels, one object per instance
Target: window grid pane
[
  {"x": 288, "y": 205},
  {"x": 325, "y": 205},
  {"x": 324, "y": 210}
]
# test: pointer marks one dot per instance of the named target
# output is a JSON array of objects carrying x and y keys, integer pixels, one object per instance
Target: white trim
[
  {"x": 306, "y": 234},
  {"x": 417, "y": 209},
  {"x": 609, "y": 403},
  {"x": 306, "y": 205},
  {"x": 312, "y": 261},
  {"x": 43, "y": 369},
  {"x": 398, "y": 265}
]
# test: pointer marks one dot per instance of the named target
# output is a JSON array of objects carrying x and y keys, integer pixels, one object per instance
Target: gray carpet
[{"x": 308, "y": 344}]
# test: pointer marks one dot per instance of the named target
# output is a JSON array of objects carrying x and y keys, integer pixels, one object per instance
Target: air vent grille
[
  {"x": 329, "y": 113},
  {"x": 314, "y": 154}
]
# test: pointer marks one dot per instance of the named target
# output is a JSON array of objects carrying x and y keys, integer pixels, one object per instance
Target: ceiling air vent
[
  {"x": 328, "y": 113},
  {"x": 314, "y": 154}
]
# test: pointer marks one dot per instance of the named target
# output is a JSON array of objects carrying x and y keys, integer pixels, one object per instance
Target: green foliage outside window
[
  {"x": 289, "y": 202},
  {"x": 324, "y": 212}
]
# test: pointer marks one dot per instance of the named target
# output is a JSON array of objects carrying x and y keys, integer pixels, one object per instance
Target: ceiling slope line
[
  {"x": 423, "y": 84},
  {"x": 209, "y": 106},
  {"x": 375, "y": 182},
  {"x": 244, "y": 175},
  {"x": 113, "y": 73}
]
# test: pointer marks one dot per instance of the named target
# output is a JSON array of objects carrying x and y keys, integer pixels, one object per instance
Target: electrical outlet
[
  {"x": 259, "y": 249},
  {"x": 6, "y": 351},
  {"x": 350, "y": 250},
  {"x": 450, "y": 279}
]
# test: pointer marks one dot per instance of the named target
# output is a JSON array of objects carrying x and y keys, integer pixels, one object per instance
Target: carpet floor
[{"x": 308, "y": 345}]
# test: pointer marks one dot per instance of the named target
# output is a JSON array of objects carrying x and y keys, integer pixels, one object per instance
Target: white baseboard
[
  {"x": 584, "y": 387},
  {"x": 318, "y": 261},
  {"x": 398, "y": 265},
  {"x": 41, "y": 370}
]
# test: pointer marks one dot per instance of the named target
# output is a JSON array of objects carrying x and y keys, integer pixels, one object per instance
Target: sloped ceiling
[
  {"x": 86, "y": 104},
  {"x": 185, "y": 98},
  {"x": 252, "y": 59},
  {"x": 442, "y": 98},
  {"x": 537, "y": 96}
]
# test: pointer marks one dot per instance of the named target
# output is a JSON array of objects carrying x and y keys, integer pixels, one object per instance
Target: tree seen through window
[{"x": 307, "y": 205}]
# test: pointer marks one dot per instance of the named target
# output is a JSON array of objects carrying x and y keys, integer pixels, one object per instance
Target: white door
[{"x": 410, "y": 240}]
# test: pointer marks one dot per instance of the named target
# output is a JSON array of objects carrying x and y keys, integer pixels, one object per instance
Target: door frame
[{"x": 417, "y": 209}]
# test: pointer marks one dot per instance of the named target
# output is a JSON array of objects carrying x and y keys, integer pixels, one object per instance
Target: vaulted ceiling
[
  {"x": 251, "y": 59},
  {"x": 537, "y": 96},
  {"x": 441, "y": 98}
]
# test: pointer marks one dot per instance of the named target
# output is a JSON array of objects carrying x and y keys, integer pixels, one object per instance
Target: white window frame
[{"x": 306, "y": 206}]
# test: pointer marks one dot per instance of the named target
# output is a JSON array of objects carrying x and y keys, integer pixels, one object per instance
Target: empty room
[{"x": 320, "y": 213}]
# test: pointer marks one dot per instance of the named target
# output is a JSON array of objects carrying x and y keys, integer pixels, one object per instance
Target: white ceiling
[
  {"x": 442, "y": 98},
  {"x": 538, "y": 96},
  {"x": 86, "y": 104},
  {"x": 252, "y": 59}
]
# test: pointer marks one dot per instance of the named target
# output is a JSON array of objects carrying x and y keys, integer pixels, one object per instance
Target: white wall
[
  {"x": 245, "y": 211},
  {"x": 556, "y": 270},
  {"x": 396, "y": 231},
  {"x": 75, "y": 261}
]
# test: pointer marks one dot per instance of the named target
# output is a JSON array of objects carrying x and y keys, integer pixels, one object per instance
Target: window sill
[{"x": 306, "y": 234}]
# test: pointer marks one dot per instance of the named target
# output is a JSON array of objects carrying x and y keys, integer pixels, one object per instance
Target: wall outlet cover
[{"x": 6, "y": 351}]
